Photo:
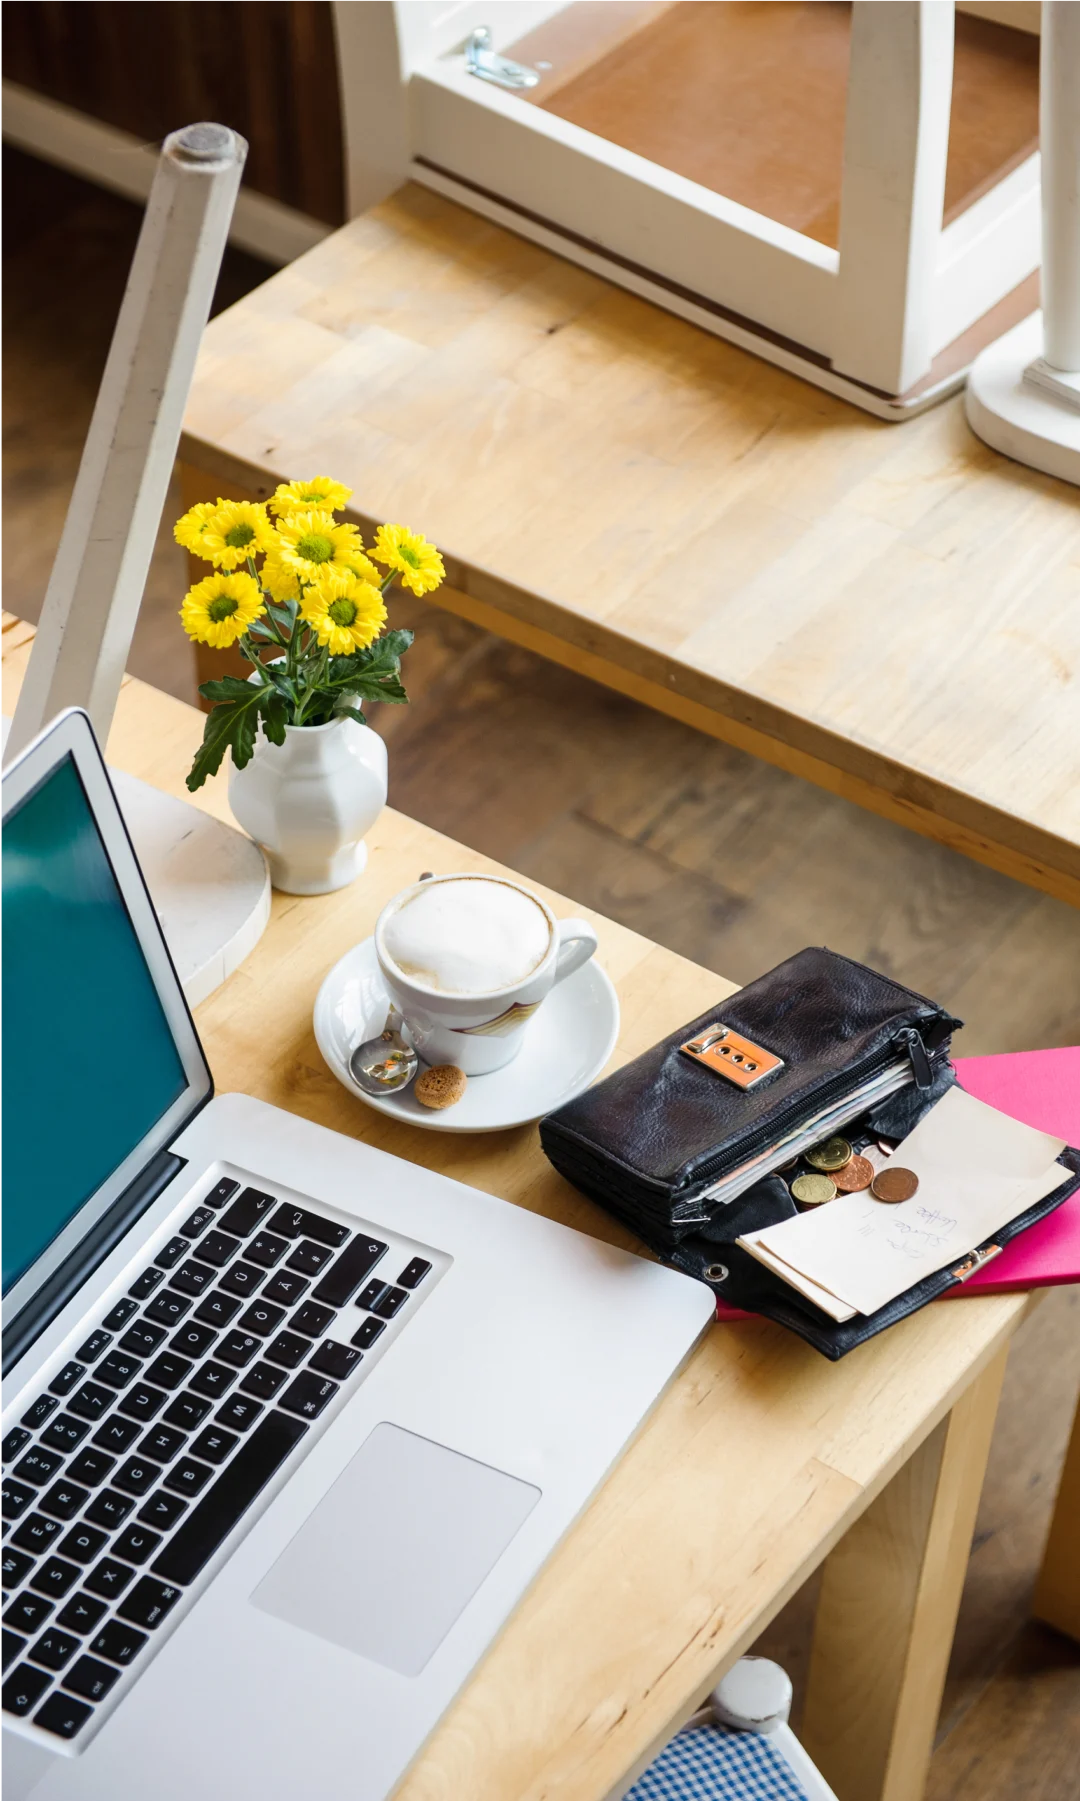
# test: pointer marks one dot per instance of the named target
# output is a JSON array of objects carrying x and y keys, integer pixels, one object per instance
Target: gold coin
[
  {"x": 894, "y": 1184},
  {"x": 833, "y": 1154},
  {"x": 812, "y": 1191},
  {"x": 855, "y": 1176}
]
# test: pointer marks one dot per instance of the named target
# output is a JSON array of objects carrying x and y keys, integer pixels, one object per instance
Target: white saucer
[{"x": 566, "y": 1046}]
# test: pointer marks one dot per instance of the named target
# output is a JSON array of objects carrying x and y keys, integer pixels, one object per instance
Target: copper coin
[
  {"x": 833, "y": 1154},
  {"x": 812, "y": 1191},
  {"x": 886, "y": 1146},
  {"x": 854, "y": 1176},
  {"x": 894, "y": 1184}
]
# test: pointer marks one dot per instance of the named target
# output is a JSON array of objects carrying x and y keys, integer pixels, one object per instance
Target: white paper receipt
[{"x": 977, "y": 1170}]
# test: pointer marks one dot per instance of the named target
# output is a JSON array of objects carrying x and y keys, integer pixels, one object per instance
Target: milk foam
[{"x": 467, "y": 936}]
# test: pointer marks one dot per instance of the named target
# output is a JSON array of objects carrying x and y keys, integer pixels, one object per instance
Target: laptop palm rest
[{"x": 396, "y": 1549}]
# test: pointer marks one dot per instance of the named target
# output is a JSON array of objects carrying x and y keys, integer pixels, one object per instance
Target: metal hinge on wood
[{"x": 485, "y": 63}]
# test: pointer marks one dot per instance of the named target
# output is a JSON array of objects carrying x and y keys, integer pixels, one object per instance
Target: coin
[
  {"x": 856, "y": 1175},
  {"x": 886, "y": 1146},
  {"x": 813, "y": 1190},
  {"x": 833, "y": 1154},
  {"x": 894, "y": 1184}
]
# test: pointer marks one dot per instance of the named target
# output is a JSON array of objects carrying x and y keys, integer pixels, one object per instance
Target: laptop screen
[{"x": 91, "y": 1063}]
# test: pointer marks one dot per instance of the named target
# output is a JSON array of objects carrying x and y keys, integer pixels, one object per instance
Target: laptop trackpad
[{"x": 396, "y": 1549}]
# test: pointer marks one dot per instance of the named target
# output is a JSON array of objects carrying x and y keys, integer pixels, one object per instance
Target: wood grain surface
[{"x": 891, "y": 611}]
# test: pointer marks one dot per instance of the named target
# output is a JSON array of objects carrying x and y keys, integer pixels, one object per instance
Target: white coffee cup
[{"x": 478, "y": 1027}]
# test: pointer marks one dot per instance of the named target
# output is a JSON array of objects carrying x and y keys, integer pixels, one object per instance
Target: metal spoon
[{"x": 384, "y": 1064}]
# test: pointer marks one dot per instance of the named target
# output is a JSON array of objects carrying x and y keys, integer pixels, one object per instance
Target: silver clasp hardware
[
  {"x": 487, "y": 65},
  {"x": 977, "y": 1260}
]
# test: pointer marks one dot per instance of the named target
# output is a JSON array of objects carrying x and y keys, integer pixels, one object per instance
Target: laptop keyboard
[{"x": 149, "y": 1446}]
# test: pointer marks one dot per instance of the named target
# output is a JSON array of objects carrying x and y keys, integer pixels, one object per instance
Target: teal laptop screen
[{"x": 90, "y": 1063}]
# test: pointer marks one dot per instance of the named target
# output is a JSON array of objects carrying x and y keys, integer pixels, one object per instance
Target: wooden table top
[
  {"x": 754, "y": 1461},
  {"x": 892, "y": 611}
]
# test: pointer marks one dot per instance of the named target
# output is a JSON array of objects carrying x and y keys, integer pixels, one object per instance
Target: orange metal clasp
[{"x": 728, "y": 1054}]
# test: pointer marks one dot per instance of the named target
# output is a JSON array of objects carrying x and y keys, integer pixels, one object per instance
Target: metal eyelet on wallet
[{"x": 716, "y": 1272}]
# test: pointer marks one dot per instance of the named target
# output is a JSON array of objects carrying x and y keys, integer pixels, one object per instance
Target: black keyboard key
[
  {"x": 187, "y": 1478},
  {"x": 197, "y": 1224},
  {"x": 120, "y": 1314},
  {"x": 218, "y": 1309},
  {"x": 247, "y": 1211},
  {"x": 145, "y": 1284},
  {"x": 109, "y": 1509},
  {"x": 119, "y": 1643},
  {"x": 214, "y": 1517},
  {"x": 17, "y": 1497},
  {"x": 239, "y": 1413},
  {"x": 137, "y": 1544},
  {"x": 27, "y": 1612},
  {"x": 109, "y": 1578},
  {"x": 14, "y": 1646},
  {"x": 288, "y": 1349},
  {"x": 54, "y": 1577},
  {"x": 163, "y": 1443},
  {"x": 37, "y": 1466},
  {"x": 90, "y": 1467},
  {"x": 217, "y": 1248},
  {"x": 169, "y": 1370},
  {"x": 62, "y": 1716},
  {"x": 142, "y": 1339},
  {"x": 214, "y": 1445},
  {"x": 238, "y": 1348},
  {"x": 92, "y": 1401},
  {"x": 297, "y": 1222},
  {"x": 66, "y": 1380},
  {"x": 171, "y": 1253},
  {"x": 187, "y": 1411},
  {"x": 308, "y": 1394},
  {"x": 118, "y": 1369},
  {"x": 15, "y": 1566},
  {"x": 309, "y": 1258},
  {"x": 54, "y": 1649},
  {"x": 91, "y": 1678},
  {"x": 337, "y": 1360},
  {"x": 266, "y": 1250},
  {"x": 242, "y": 1279},
  {"x": 82, "y": 1543},
  {"x": 371, "y": 1294},
  {"x": 162, "y": 1510},
  {"x": 261, "y": 1319},
  {"x": 263, "y": 1381},
  {"x": 40, "y": 1411},
  {"x": 14, "y": 1442},
  {"x": 96, "y": 1343},
  {"x": 64, "y": 1433},
  {"x": 345, "y": 1275},
  {"x": 82, "y": 1613},
  {"x": 285, "y": 1287},
  {"x": 24, "y": 1689},
  {"x": 117, "y": 1434},
  {"x": 311, "y": 1319},
  {"x": 368, "y": 1333},
  {"x": 36, "y": 1533},
  {"x": 414, "y": 1272},
  {"x": 149, "y": 1602},
  {"x": 64, "y": 1499},
  {"x": 391, "y": 1302},
  {"x": 193, "y": 1278},
  {"x": 213, "y": 1379},
  {"x": 192, "y": 1340},
  {"x": 169, "y": 1308},
  {"x": 143, "y": 1402},
  {"x": 137, "y": 1476},
  {"x": 224, "y": 1191}
]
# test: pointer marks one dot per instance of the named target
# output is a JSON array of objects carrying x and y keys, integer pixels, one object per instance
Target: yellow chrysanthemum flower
[
  {"x": 308, "y": 542},
  {"x": 226, "y": 532},
  {"x": 320, "y": 492},
  {"x": 280, "y": 582},
  {"x": 219, "y": 610},
  {"x": 345, "y": 614},
  {"x": 417, "y": 562}
]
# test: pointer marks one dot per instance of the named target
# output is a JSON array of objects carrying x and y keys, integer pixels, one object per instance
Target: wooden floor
[{"x": 720, "y": 857}]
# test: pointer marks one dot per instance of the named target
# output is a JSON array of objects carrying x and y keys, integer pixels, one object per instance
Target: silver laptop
[{"x": 289, "y": 1424}]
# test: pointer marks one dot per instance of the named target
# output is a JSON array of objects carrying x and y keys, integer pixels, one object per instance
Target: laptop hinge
[{"x": 68, "y": 1278}]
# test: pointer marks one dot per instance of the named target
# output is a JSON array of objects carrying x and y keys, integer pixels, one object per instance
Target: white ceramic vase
[{"x": 308, "y": 802}]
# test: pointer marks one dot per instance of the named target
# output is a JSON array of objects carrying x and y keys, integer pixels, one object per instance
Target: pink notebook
[{"x": 1042, "y": 1088}]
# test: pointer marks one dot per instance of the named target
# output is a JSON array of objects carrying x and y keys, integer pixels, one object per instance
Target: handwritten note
[{"x": 977, "y": 1170}]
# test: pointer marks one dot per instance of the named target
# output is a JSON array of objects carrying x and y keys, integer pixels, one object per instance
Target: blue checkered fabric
[{"x": 707, "y": 1763}]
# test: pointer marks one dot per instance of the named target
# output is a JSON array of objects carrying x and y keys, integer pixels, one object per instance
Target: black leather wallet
[{"x": 682, "y": 1143}]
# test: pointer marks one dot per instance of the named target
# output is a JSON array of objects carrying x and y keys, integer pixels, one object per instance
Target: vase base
[{"x": 322, "y": 877}]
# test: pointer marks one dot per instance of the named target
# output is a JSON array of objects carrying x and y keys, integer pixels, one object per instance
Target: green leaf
[
  {"x": 231, "y": 725},
  {"x": 228, "y": 688},
  {"x": 275, "y": 717},
  {"x": 343, "y": 712}
]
